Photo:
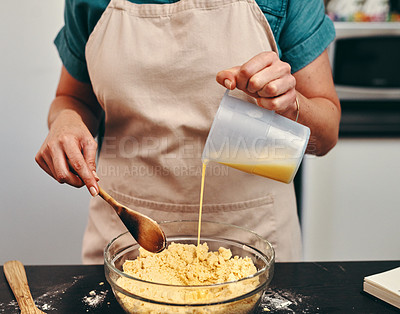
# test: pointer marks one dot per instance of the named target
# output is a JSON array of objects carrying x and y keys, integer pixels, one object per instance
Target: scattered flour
[
  {"x": 45, "y": 301},
  {"x": 46, "y": 307},
  {"x": 94, "y": 299},
  {"x": 282, "y": 301}
]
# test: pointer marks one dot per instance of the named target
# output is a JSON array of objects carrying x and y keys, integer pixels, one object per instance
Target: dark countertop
[{"x": 326, "y": 287}]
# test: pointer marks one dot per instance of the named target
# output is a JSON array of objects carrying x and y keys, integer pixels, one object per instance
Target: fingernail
[
  {"x": 228, "y": 84},
  {"x": 93, "y": 191},
  {"x": 95, "y": 175}
]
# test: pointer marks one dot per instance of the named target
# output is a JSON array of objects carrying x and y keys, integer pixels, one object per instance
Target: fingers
[
  {"x": 62, "y": 172},
  {"x": 257, "y": 72},
  {"x": 81, "y": 167},
  {"x": 272, "y": 81},
  {"x": 67, "y": 161},
  {"x": 227, "y": 78},
  {"x": 89, "y": 150},
  {"x": 285, "y": 104},
  {"x": 42, "y": 163},
  {"x": 240, "y": 76},
  {"x": 53, "y": 161},
  {"x": 277, "y": 87},
  {"x": 266, "y": 78}
]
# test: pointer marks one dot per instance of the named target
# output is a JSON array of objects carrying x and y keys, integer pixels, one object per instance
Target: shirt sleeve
[
  {"x": 80, "y": 17},
  {"x": 306, "y": 33}
]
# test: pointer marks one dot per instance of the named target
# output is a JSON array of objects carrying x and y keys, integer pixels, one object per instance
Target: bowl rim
[{"x": 269, "y": 263}]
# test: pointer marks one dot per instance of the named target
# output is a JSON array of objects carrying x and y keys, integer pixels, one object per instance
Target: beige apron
[{"x": 153, "y": 70}]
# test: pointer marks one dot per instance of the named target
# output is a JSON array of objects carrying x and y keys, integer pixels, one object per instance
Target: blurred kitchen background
[
  {"x": 350, "y": 205},
  {"x": 349, "y": 200},
  {"x": 41, "y": 221}
]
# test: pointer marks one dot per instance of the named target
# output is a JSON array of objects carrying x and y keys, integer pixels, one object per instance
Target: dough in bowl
[{"x": 188, "y": 265}]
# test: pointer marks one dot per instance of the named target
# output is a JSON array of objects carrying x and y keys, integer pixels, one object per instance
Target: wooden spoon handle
[
  {"x": 16, "y": 277},
  {"x": 108, "y": 198}
]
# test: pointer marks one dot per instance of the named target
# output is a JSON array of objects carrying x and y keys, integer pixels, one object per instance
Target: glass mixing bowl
[{"x": 241, "y": 296}]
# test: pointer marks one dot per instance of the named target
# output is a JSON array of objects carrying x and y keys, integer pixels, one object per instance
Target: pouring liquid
[
  {"x": 280, "y": 172},
  {"x": 275, "y": 171},
  {"x": 203, "y": 175}
]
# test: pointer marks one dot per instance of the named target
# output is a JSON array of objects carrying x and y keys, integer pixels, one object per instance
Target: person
[{"x": 146, "y": 78}]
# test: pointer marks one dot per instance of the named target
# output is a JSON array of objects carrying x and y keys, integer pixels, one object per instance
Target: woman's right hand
[{"x": 68, "y": 153}]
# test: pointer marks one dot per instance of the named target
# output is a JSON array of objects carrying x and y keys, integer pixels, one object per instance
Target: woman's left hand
[{"x": 266, "y": 78}]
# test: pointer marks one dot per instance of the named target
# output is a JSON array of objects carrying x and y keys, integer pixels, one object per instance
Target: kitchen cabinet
[{"x": 351, "y": 201}]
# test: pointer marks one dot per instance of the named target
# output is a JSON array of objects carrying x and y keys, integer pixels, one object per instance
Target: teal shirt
[{"x": 302, "y": 30}]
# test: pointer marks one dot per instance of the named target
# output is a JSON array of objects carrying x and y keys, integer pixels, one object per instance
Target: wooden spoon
[
  {"x": 16, "y": 277},
  {"x": 145, "y": 230}
]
